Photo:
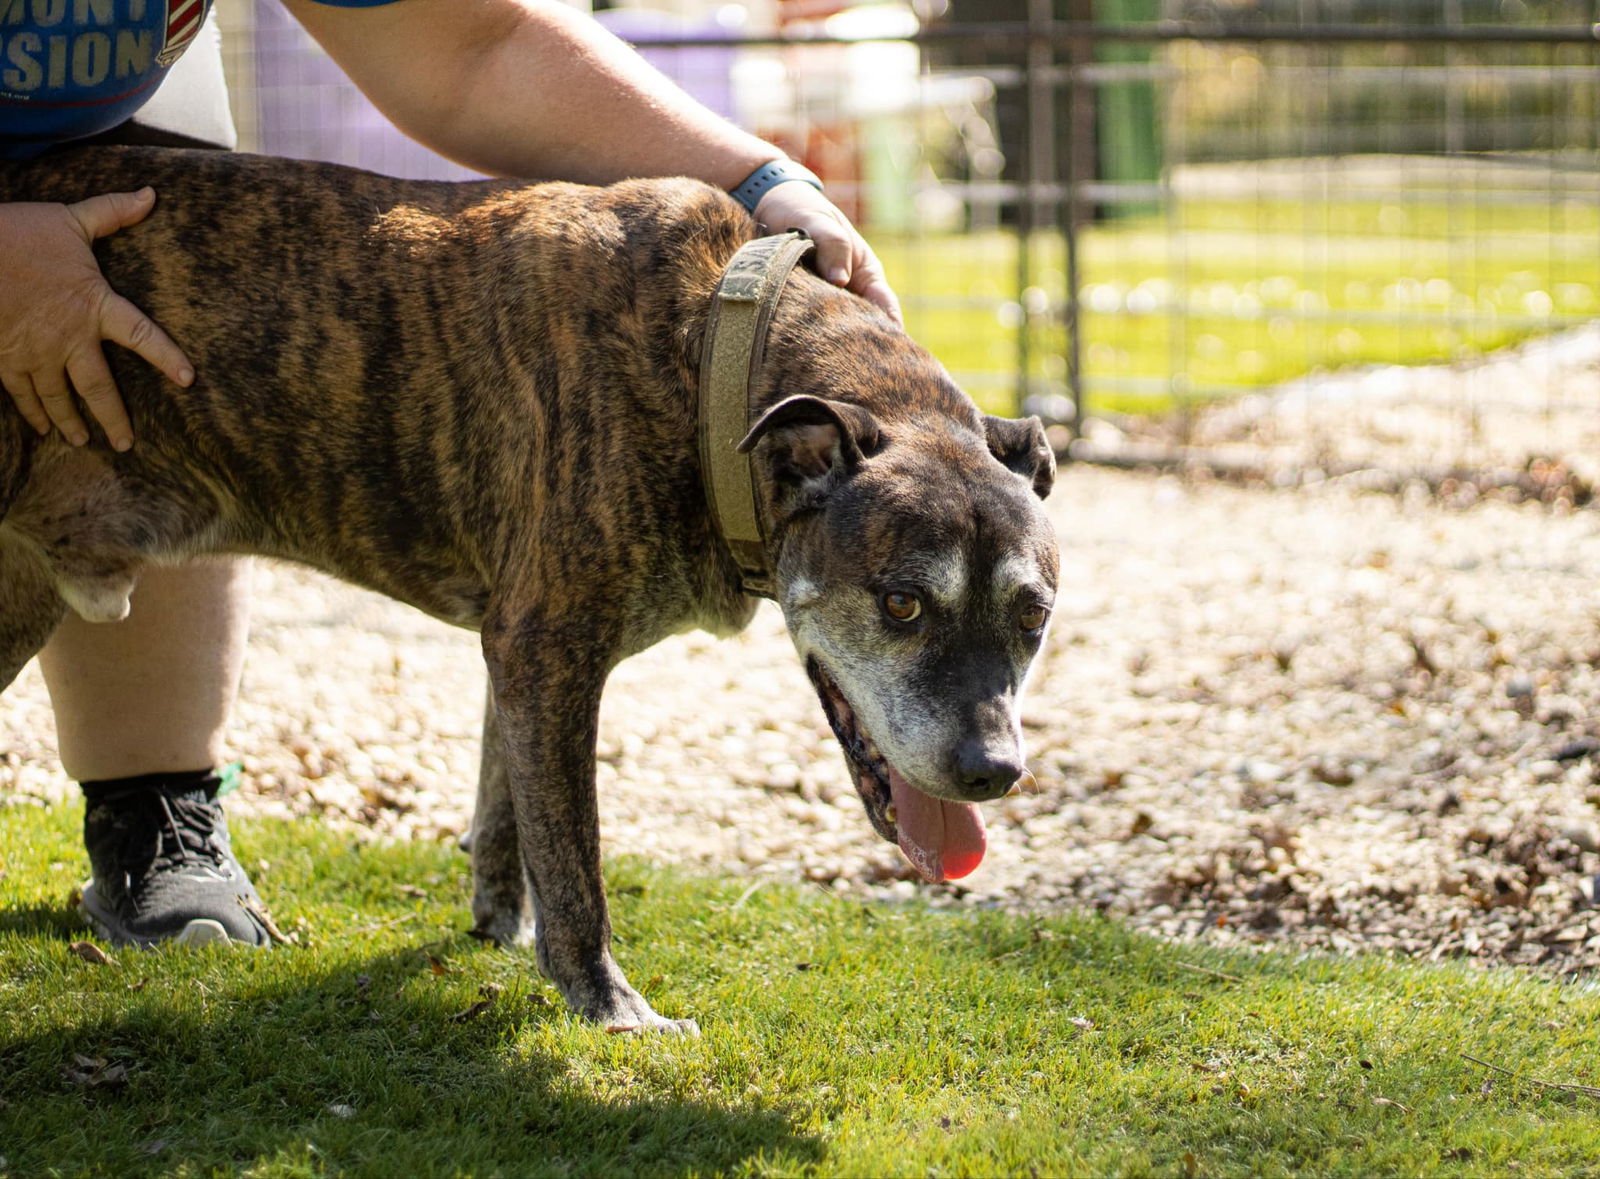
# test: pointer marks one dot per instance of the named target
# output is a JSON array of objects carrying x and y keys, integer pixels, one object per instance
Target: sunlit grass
[
  {"x": 840, "y": 1038},
  {"x": 1235, "y": 295}
]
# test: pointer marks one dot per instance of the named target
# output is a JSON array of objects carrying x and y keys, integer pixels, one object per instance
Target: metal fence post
[{"x": 1079, "y": 116}]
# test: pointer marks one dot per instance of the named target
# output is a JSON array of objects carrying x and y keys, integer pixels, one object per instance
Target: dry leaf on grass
[
  {"x": 489, "y": 992},
  {"x": 91, "y": 954},
  {"x": 93, "y": 1072},
  {"x": 259, "y": 911}
]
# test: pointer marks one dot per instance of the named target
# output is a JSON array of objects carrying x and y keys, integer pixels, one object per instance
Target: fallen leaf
[
  {"x": 1081, "y": 1023},
  {"x": 92, "y": 1072},
  {"x": 154, "y": 1147},
  {"x": 1397, "y": 1105},
  {"x": 489, "y": 991},
  {"x": 91, "y": 953},
  {"x": 340, "y": 1110},
  {"x": 438, "y": 967},
  {"x": 259, "y": 911}
]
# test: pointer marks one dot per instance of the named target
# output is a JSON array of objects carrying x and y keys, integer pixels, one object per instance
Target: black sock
[{"x": 175, "y": 782}]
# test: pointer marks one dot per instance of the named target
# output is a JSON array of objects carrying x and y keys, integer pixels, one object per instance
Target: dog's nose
[{"x": 986, "y": 770}]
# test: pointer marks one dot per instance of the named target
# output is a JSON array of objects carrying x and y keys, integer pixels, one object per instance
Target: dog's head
[{"x": 916, "y": 570}]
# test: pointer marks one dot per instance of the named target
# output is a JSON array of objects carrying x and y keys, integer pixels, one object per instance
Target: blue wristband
[{"x": 769, "y": 176}]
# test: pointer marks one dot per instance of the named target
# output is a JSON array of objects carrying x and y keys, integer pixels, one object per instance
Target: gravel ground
[
  {"x": 1318, "y": 717},
  {"x": 1528, "y": 415}
]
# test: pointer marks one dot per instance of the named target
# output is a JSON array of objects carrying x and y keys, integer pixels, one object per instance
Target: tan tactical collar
[{"x": 736, "y": 337}]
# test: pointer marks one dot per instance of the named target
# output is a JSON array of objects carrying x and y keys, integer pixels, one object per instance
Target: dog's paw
[
  {"x": 656, "y": 1025},
  {"x": 648, "y": 1023},
  {"x": 507, "y": 930},
  {"x": 621, "y": 1010}
]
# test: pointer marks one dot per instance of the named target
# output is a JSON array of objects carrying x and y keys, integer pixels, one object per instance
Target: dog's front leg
[{"x": 546, "y": 682}]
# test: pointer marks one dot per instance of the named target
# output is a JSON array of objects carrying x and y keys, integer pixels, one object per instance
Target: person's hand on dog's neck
[{"x": 535, "y": 89}]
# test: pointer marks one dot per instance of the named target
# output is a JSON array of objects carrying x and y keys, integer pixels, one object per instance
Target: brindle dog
[{"x": 480, "y": 399}]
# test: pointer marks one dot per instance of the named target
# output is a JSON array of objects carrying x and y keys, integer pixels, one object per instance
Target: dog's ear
[
  {"x": 1020, "y": 444},
  {"x": 813, "y": 441}
]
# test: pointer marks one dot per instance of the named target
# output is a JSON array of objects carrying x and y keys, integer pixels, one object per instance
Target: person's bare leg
[
  {"x": 141, "y": 707},
  {"x": 152, "y": 693}
]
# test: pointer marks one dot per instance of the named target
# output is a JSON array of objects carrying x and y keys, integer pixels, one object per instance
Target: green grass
[
  {"x": 1243, "y": 294},
  {"x": 839, "y": 1039}
]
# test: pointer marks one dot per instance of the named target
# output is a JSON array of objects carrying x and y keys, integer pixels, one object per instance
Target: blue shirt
[{"x": 72, "y": 68}]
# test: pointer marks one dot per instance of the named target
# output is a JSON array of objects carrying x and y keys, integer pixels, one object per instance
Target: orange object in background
[
  {"x": 832, "y": 151},
  {"x": 830, "y": 148}
]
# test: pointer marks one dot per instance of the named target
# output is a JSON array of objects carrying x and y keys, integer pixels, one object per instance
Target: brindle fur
[{"x": 480, "y": 399}]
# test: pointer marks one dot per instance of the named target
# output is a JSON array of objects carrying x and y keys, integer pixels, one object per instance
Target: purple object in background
[
  {"x": 310, "y": 110},
  {"x": 705, "y": 71}
]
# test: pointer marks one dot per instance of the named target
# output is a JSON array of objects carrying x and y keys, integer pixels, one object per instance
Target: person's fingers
[
  {"x": 843, "y": 256},
  {"x": 123, "y": 323},
  {"x": 835, "y": 253},
  {"x": 869, "y": 282},
  {"x": 20, "y": 387},
  {"x": 52, "y": 390},
  {"x": 799, "y": 206},
  {"x": 111, "y": 211},
  {"x": 91, "y": 377}
]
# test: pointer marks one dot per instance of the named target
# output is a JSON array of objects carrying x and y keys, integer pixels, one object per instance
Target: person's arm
[
  {"x": 532, "y": 88},
  {"x": 55, "y": 309}
]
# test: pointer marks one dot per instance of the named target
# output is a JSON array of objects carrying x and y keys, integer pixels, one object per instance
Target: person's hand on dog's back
[
  {"x": 843, "y": 256},
  {"x": 56, "y": 310}
]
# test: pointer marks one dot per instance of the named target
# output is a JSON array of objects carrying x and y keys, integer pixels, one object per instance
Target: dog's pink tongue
[{"x": 943, "y": 840}]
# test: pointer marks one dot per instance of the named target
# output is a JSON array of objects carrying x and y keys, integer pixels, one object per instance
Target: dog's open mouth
[{"x": 943, "y": 840}]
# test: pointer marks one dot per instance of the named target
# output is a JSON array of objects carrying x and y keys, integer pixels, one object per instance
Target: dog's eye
[
  {"x": 902, "y": 607},
  {"x": 1032, "y": 617}
]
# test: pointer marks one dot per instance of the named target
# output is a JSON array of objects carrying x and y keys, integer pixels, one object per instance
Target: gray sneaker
[{"x": 163, "y": 867}]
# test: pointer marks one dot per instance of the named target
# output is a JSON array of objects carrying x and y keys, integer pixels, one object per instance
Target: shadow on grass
[
  {"x": 52, "y": 921},
  {"x": 378, "y": 1066}
]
